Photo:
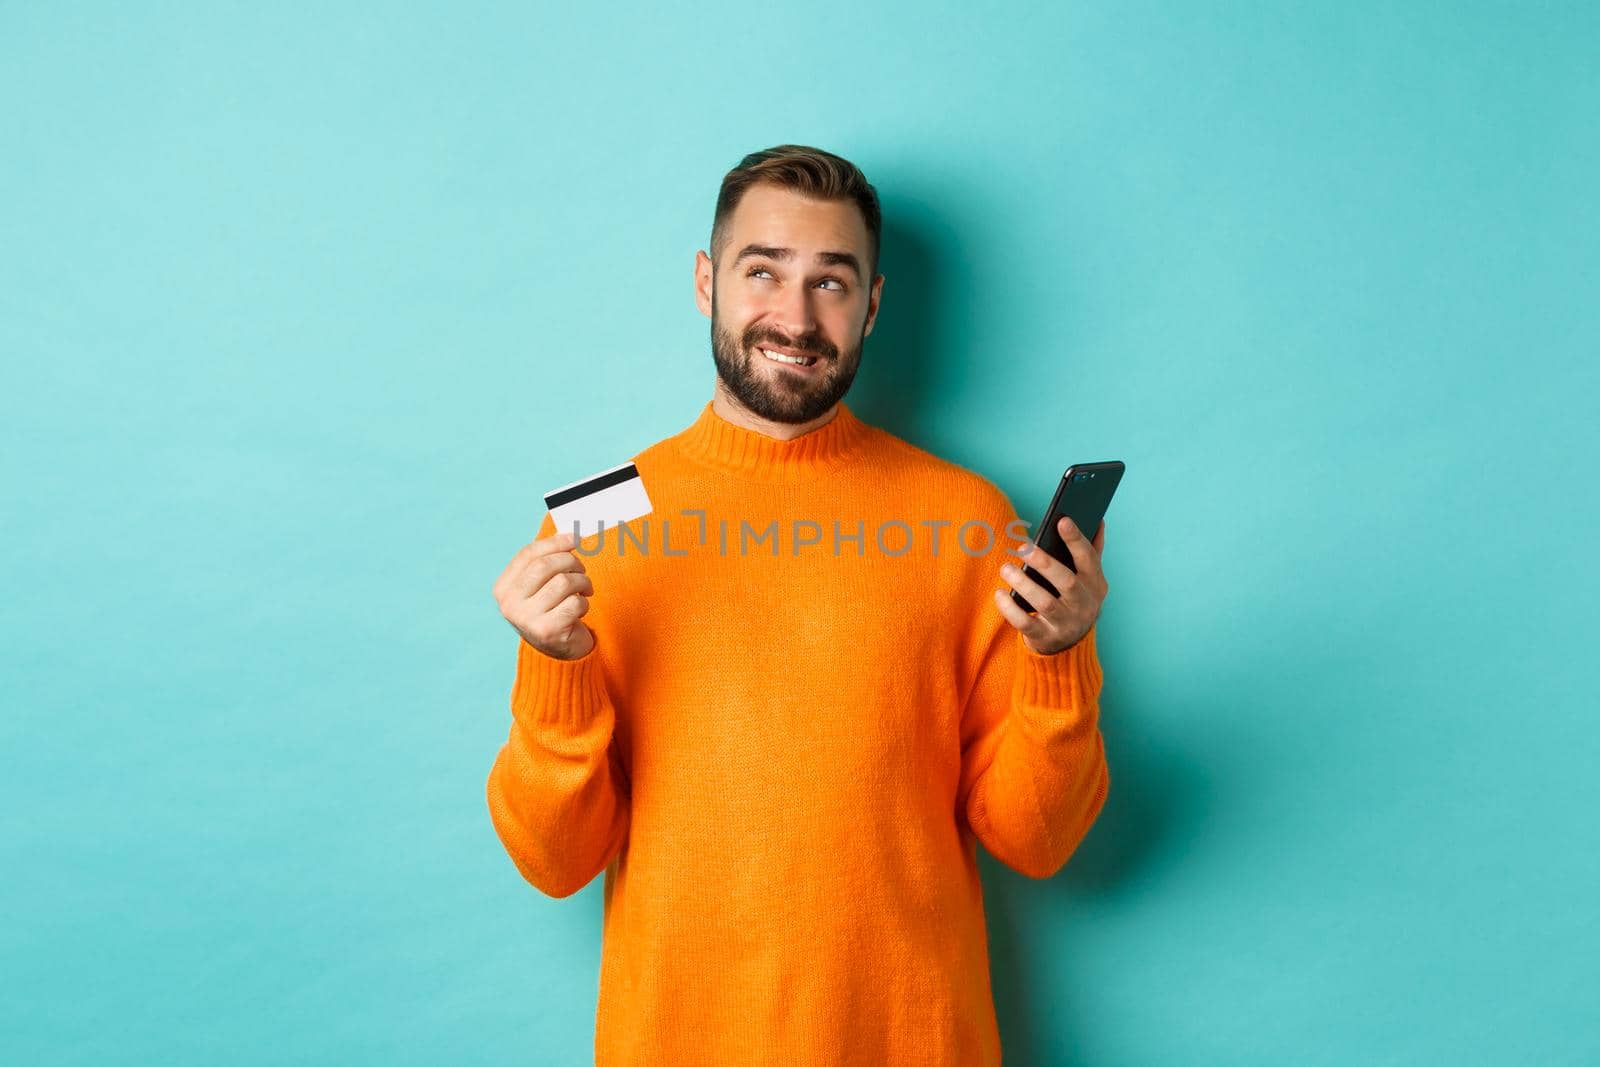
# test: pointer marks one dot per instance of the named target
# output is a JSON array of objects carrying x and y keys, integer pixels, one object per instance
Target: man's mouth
[{"x": 790, "y": 359}]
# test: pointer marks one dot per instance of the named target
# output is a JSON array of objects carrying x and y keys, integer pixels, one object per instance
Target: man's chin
[
  {"x": 779, "y": 394},
  {"x": 788, "y": 408}
]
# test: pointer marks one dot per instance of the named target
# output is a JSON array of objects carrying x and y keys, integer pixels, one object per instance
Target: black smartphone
[{"x": 1083, "y": 496}]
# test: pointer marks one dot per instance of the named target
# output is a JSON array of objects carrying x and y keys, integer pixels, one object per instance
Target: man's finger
[
  {"x": 541, "y": 567},
  {"x": 1084, "y": 555},
  {"x": 1029, "y": 625},
  {"x": 1032, "y": 591},
  {"x": 519, "y": 562}
]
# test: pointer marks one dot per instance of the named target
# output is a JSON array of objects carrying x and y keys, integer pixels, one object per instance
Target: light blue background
[{"x": 302, "y": 310}]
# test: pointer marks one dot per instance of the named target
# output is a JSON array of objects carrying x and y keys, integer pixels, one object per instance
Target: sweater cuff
[
  {"x": 1068, "y": 680},
  {"x": 561, "y": 692}
]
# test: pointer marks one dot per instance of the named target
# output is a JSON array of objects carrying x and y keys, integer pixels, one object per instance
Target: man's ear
[
  {"x": 704, "y": 272},
  {"x": 872, "y": 305}
]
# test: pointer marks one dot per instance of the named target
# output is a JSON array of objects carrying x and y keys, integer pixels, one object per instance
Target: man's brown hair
[{"x": 806, "y": 170}]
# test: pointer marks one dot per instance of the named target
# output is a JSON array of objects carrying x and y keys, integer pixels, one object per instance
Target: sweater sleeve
[
  {"x": 557, "y": 795},
  {"x": 1033, "y": 765},
  {"x": 555, "y": 792}
]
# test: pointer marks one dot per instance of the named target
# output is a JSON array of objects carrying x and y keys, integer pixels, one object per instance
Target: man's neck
[{"x": 729, "y": 408}]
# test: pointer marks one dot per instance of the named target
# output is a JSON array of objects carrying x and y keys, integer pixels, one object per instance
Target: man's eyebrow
[{"x": 783, "y": 255}]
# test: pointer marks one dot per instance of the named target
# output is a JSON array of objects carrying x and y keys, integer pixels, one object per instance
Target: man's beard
[{"x": 777, "y": 395}]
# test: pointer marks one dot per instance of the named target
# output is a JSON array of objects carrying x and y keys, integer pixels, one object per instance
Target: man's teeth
[{"x": 804, "y": 361}]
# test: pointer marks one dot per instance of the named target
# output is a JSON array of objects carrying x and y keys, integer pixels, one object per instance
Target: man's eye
[{"x": 762, "y": 270}]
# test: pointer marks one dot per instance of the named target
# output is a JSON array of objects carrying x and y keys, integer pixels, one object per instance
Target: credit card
[{"x": 611, "y": 497}]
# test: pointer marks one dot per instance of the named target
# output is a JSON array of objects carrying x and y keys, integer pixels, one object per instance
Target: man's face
[{"x": 784, "y": 283}]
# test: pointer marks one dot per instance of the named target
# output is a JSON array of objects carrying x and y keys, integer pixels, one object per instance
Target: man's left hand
[{"x": 1059, "y": 622}]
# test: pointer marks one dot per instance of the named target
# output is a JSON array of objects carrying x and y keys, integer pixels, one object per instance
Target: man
[{"x": 782, "y": 756}]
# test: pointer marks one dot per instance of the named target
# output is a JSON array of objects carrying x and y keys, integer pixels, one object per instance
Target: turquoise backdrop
[{"x": 302, "y": 307}]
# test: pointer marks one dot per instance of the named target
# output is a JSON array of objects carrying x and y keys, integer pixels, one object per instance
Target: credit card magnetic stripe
[{"x": 566, "y": 494}]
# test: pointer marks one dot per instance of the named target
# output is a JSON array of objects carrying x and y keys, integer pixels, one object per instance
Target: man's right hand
[{"x": 543, "y": 593}]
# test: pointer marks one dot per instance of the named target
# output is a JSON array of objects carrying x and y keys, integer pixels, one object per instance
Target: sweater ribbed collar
[{"x": 715, "y": 442}]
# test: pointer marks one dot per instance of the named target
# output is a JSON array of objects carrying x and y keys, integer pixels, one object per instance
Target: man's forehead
[{"x": 777, "y": 217}]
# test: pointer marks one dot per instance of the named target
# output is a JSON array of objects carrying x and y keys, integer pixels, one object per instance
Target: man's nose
[{"x": 795, "y": 314}]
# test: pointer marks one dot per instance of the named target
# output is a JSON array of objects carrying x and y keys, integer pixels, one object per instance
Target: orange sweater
[{"x": 782, "y": 756}]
